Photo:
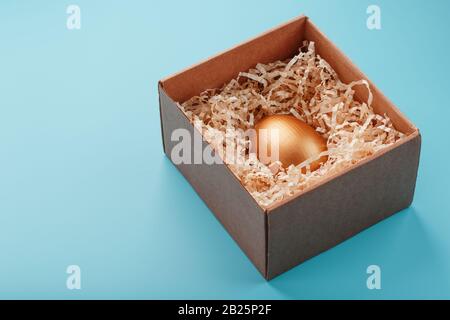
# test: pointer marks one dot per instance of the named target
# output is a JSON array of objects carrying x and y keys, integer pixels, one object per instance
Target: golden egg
[{"x": 297, "y": 141}]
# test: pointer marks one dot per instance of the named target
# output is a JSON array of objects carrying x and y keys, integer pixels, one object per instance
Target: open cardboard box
[{"x": 289, "y": 232}]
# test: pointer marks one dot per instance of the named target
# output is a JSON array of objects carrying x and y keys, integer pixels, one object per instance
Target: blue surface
[{"x": 83, "y": 179}]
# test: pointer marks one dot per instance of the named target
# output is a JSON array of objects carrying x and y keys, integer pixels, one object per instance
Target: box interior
[{"x": 280, "y": 43}]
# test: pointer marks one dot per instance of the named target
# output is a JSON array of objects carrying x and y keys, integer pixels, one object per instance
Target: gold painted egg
[{"x": 297, "y": 141}]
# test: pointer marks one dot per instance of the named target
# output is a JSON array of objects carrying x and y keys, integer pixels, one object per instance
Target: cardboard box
[{"x": 300, "y": 227}]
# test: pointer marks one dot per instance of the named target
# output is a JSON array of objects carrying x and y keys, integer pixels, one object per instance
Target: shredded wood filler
[{"x": 306, "y": 87}]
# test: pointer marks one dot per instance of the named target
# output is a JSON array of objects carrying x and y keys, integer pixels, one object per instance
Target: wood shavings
[{"x": 307, "y": 87}]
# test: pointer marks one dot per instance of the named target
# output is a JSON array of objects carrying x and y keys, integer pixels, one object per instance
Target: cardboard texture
[
  {"x": 222, "y": 192},
  {"x": 282, "y": 236}
]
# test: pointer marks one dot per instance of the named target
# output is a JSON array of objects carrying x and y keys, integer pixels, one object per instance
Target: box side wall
[
  {"x": 339, "y": 209},
  {"x": 277, "y": 44},
  {"x": 348, "y": 72},
  {"x": 220, "y": 190}
]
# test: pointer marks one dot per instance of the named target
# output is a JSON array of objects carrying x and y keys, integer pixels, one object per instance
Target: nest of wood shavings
[{"x": 307, "y": 87}]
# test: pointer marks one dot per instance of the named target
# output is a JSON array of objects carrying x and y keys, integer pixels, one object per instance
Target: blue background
[{"x": 83, "y": 178}]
